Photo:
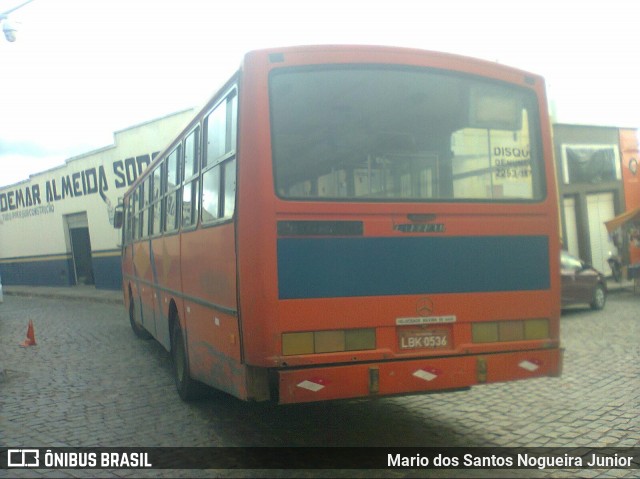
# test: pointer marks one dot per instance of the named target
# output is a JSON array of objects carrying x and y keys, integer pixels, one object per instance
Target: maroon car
[{"x": 581, "y": 283}]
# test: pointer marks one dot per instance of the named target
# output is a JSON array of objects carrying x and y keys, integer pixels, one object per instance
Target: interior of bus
[{"x": 374, "y": 133}]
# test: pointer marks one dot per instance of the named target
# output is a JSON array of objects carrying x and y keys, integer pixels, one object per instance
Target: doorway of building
[
  {"x": 570, "y": 241},
  {"x": 80, "y": 242}
]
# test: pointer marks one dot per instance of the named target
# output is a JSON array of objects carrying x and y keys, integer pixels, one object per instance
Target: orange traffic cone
[{"x": 31, "y": 336}]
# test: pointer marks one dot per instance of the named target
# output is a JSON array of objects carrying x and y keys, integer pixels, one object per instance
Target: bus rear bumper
[{"x": 414, "y": 376}]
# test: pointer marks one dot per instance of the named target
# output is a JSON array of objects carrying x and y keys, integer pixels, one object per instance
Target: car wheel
[
  {"x": 599, "y": 298},
  {"x": 188, "y": 389}
]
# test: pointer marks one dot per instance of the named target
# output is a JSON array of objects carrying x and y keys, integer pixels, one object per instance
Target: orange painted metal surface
[{"x": 414, "y": 376}]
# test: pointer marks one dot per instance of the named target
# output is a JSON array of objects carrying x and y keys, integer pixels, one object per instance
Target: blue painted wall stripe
[
  {"x": 344, "y": 267},
  {"x": 55, "y": 272},
  {"x": 107, "y": 272}
]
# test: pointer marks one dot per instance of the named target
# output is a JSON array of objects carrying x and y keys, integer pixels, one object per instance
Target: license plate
[{"x": 424, "y": 338}]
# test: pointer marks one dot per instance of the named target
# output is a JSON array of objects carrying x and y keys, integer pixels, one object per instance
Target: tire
[
  {"x": 138, "y": 329},
  {"x": 188, "y": 389},
  {"x": 616, "y": 271},
  {"x": 599, "y": 298}
]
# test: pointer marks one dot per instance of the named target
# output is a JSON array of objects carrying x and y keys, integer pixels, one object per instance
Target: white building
[{"x": 56, "y": 228}]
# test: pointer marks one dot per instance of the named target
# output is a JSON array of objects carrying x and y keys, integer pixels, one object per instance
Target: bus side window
[
  {"x": 171, "y": 192},
  {"x": 155, "y": 207},
  {"x": 211, "y": 195},
  {"x": 191, "y": 169},
  {"x": 133, "y": 211},
  {"x": 229, "y": 188},
  {"x": 127, "y": 221},
  {"x": 148, "y": 191},
  {"x": 162, "y": 193},
  {"x": 219, "y": 162},
  {"x": 150, "y": 187},
  {"x": 142, "y": 210},
  {"x": 215, "y": 131},
  {"x": 230, "y": 164}
]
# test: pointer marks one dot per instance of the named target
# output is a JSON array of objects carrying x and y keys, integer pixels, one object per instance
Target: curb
[
  {"x": 615, "y": 287},
  {"x": 60, "y": 295}
]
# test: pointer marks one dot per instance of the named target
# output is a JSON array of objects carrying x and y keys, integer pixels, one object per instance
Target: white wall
[{"x": 31, "y": 212}]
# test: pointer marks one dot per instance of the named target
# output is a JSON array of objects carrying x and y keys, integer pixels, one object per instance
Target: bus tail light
[
  {"x": 313, "y": 342},
  {"x": 501, "y": 331}
]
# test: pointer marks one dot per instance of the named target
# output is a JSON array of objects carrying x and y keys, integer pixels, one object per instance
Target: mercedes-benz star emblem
[{"x": 424, "y": 307}]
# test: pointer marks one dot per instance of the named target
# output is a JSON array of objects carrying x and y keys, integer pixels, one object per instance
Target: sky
[{"x": 82, "y": 69}]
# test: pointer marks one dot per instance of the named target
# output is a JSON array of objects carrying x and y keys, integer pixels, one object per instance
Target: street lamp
[{"x": 9, "y": 27}]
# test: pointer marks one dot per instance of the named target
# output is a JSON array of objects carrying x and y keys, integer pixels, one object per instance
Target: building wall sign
[
  {"x": 38, "y": 244},
  {"x": 37, "y": 198}
]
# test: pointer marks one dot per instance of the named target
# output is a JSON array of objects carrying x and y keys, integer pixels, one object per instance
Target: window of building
[{"x": 590, "y": 164}]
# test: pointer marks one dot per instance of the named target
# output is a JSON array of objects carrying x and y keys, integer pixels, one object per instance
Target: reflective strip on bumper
[{"x": 415, "y": 376}]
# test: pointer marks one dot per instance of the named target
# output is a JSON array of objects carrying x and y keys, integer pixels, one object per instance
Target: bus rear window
[{"x": 384, "y": 134}]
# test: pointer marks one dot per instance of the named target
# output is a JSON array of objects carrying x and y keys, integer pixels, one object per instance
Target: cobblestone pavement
[{"x": 90, "y": 382}]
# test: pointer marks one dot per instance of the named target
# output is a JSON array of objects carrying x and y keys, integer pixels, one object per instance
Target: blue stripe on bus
[{"x": 344, "y": 267}]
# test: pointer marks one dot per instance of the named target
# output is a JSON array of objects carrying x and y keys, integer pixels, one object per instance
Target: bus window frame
[
  {"x": 230, "y": 101},
  {"x": 535, "y": 133},
  {"x": 141, "y": 211},
  {"x": 175, "y": 190},
  {"x": 161, "y": 195},
  {"x": 155, "y": 207},
  {"x": 191, "y": 179},
  {"x": 150, "y": 181},
  {"x": 148, "y": 191},
  {"x": 133, "y": 210}
]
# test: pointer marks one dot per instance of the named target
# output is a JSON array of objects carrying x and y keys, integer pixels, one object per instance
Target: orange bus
[{"x": 351, "y": 221}]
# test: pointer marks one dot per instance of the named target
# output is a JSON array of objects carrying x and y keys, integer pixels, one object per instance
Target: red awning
[{"x": 620, "y": 220}]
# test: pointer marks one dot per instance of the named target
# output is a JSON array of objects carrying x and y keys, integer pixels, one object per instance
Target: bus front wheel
[{"x": 188, "y": 388}]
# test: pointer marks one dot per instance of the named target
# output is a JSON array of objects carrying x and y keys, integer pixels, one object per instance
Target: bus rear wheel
[{"x": 188, "y": 389}]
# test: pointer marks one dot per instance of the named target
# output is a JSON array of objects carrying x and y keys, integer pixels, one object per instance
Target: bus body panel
[
  {"x": 166, "y": 255},
  {"x": 208, "y": 260},
  {"x": 255, "y": 229},
  {"x": 382, "y": 266},
  {"x": 143, "y": 273},
  {"x": 210, "y": 308}
]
